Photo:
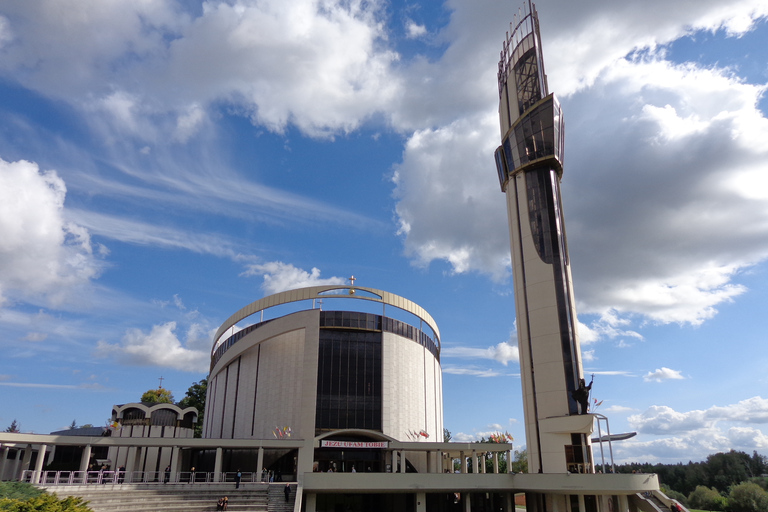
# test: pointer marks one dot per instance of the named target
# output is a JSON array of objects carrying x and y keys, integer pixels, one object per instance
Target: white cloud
[
  {"x": 413, "y": 30},
  {"x": 618, "y": 409},
  {"x": 693, "y": 435},
  {"x": 580, "y": 42},
  {"x": 144, "y": 59},
  {"x": 503, "y": 352},
  {"x": 472, "y": 371},
  {"x": 42, "y": 256},
  {"x": 665, "y": 239},
  {"x": 659, "y": 420},
  {"x": 447, "y": 207},
  {"x": 5, "y": 31},
  {"x": 188, "y": 123},
  {"x": 476, "y": 435},
  {"x": 662, "y": 374},
  {"x": 745, "y": 438},
  {"x": 146, "y": 233},
  {"x": 159, "y": 347},
  {"x": 35, "y": 336},
  {"x": 279, "y": 277}
]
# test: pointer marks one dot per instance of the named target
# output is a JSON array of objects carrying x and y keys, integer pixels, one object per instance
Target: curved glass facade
[{"x": 348, "y": 380}]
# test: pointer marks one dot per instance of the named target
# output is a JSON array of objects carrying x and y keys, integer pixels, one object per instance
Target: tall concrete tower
[{"x": 530, "y": 166}]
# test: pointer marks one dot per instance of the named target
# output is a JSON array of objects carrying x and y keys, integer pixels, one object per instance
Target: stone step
[{"x": 180, "y": 499}]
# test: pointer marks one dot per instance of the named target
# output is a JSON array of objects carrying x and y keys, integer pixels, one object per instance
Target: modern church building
[
  {"x": 336, "y": 376},
  {"x": 338, "y": 389}
]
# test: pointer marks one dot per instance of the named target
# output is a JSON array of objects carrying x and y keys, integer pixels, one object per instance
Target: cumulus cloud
[
  {"x": 580, "y": 43},
  {"x": 693, "y": 435},
  {"x": 155, "y": 58},
  {"x": 665, "y": 238},
  {"x": 665, "y": 420},
  {"x": 662, "y": 374},
  {"x": 745, "y": 438},
  {"x": 42, "y": 255},
  {"x": 157, "y": 67},
  {"x": 160, "y": 347},
  {"x": 447, "y": 209},
  {"x": 279, "y": 277}
]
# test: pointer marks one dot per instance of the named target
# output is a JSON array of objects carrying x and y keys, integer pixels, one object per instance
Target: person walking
[
  {"x": 287, "y": 491},
  {"x": 238, "y": 477}
]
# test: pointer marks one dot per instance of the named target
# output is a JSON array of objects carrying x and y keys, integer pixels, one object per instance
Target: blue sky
[{"x": 165, "y": 162}]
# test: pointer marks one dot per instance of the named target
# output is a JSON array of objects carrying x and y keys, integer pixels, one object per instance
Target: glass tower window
[{"x": 349, "y": 380}]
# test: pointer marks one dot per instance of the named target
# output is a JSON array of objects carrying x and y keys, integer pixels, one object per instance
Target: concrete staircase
[
  {"x": 259, "y": 497},
  {"x": 277, "y": 501}
]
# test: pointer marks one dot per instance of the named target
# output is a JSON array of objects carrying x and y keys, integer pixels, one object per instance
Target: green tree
[
  {"x": 519, "y": 462},
  {"x": 706, "y": 498},
  {"x": 747, "y": 497},
  {"x": 158, "y": 396},
  {"x": 73, "y": 425},
  {"x": 447, "y": 435},
  {"x": 14, "y": 427},
  {"x": 499, "y": 439},
  {"x": 727, "y": 469},
  {"x": 195, "y": 397}
]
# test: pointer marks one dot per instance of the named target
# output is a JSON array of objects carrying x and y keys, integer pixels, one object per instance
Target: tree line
[{"x": 734, "y": 481}]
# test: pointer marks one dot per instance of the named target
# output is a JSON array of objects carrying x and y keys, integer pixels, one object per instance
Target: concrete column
[
  {"x": 85, "y": 457},
  {"x": 484, "y": 469},
  {"x": 26, "y": 460},
  {"x": 463, "y": 462},
  {"x": 467, "y": 502},
  {"x": 496, "y": 463},
  {"x": 429, "y": 462},
  {"x": 138, "y": 465},
  {"x": 260, "y": 460},
  {"x": 508, "y": 505},
  {"x": 3, "y": 457},
  {"x": 509, "y": 461},
  {"x": 14, "y": 473},
  {"x": 421, "y": 502},
  {"x": 582, "y": 505},
  {"x": 475, "y": 466},
  {"x": 39, "y": 463},
  {"x": 217, "y": 465},
  {"x": 175, "y": 463},
  {"x": 133, "y": 462},
  {"x": 311, "y": 502},
  {"x": 623, "y": 503},
  {"x": 130, "y": 463}
]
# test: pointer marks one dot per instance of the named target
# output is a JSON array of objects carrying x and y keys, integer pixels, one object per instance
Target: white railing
[{"x": 142, "y": 477}]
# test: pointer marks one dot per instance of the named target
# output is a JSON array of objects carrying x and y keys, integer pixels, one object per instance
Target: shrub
[
  {"x": 18, "y": 490},
  {"x": 747, "y": 497},
  {"x": 44, "y": 503},
  {"x": 677, "y": 496},
  {"x": 706, "y": 498}
]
